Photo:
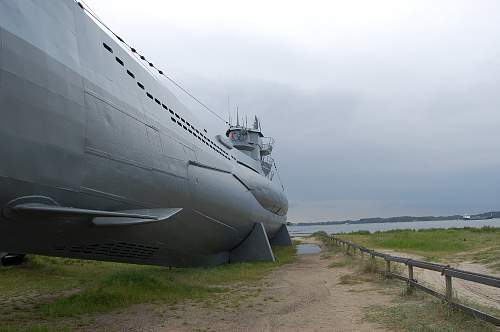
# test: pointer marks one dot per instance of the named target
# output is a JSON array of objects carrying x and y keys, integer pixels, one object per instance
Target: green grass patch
[
  {"x": 54, "y": 289},
  {"x": 435, "y": 244},
  {"x": 339, "y": 263},
  {"x": 124, "y": 288},
  {"x": 34, "y": 328},
  {"x": 419, "y": 312},
  {"x": 411, "y": 311}
]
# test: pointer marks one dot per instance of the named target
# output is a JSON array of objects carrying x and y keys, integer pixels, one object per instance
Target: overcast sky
[{"x": 378, "y": 108}]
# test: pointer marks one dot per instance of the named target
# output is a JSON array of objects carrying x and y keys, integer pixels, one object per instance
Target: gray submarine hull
[{"x": 101, "y": 161}]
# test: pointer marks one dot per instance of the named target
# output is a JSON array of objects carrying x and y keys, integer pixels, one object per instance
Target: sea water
[
  {"x": 373, "y": 227},
  {"x": 307, "y": 248}
]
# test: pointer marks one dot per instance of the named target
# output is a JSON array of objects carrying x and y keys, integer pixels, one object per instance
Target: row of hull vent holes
[
  {"x": 185, "y": 124},
  {"x": 116, "y": 249}
]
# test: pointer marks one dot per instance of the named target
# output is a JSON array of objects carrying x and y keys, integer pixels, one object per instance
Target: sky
[{"x": 378, "y": 108}]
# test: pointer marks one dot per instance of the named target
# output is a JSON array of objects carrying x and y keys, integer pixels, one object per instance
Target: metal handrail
[
  {"x": 447, "y": 271},
  {"x": 267, "y": 163},
  {"x": 267, "y": 143}
]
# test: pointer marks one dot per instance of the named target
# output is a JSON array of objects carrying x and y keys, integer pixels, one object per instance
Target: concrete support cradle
[
  {"x": 254, "y": 248},
  {"x": 282, "y": 237}
]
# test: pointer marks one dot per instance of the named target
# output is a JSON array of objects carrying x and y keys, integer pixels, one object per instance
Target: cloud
[{"x": 378, "y": 108}]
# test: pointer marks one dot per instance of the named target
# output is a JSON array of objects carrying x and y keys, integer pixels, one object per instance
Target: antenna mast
[{"x": 228, "y": 111}]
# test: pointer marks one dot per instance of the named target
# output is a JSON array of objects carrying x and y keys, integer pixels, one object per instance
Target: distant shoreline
[{"x": 480, "y": 216}]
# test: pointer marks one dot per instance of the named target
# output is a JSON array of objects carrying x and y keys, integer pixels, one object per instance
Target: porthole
[
  {"x": 107, "y": 47},
  {"x": 119, "y": 61}
]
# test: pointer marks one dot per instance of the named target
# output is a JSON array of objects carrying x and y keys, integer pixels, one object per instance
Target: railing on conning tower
[
  {"x": 266, "y": 147},
  {"x": 267, "y": 166}
]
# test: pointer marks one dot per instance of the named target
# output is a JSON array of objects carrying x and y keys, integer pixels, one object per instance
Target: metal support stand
[
  {"x": 254, "y": 248},
  {"x": 282, "y": 237}
]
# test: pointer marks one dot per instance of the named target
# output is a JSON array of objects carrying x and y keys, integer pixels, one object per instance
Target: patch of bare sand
[
  {"x": 480, "y": 294},
  {"x": 303, "y": 296}
]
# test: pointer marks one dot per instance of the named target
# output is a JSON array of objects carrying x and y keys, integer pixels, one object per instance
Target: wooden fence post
[
  {"x": 449, "y": 289},
  {"x": 387, "y": 268},
  {"x": 410, "y": 277}
]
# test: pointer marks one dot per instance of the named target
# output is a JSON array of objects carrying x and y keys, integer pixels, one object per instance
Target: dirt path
[
  {"x": 481, "y": 294},
  {"x": 303, "y": 296}
]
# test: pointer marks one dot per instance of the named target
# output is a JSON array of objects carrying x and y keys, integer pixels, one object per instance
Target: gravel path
[{"x": 303, "y": 296}]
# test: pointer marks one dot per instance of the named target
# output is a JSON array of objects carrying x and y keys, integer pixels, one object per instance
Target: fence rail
[{"x": 446, "y": 271}]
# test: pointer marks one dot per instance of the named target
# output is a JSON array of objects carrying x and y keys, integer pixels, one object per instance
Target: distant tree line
[{"x": 485, "y": 215}]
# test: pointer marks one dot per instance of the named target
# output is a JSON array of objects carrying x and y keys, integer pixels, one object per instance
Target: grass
[
  {"x": 58, "y": 289},
  {"x": 477, "y": 244},
  {"x": 410, "y": 311},
  {"x": 418, "y": 312}
]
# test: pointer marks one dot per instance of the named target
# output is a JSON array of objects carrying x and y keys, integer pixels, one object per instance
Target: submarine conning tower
[{"x": 252, "y": 142}]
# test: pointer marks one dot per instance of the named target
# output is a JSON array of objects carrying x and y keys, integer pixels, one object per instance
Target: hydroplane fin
[
  {"x": 62, "y": 211},
  {"x": 99, "y": 217},
  {"x": 155, "y": 215}
]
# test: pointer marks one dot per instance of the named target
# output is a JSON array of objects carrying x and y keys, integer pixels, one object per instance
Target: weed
[
  {"x": 480, "y": 245},
  {"x": 417, "y": 312},
  {"x": 56, "y": 288}
]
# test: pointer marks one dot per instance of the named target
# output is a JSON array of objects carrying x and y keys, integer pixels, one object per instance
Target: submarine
[{"x": 101, "y": 161}]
